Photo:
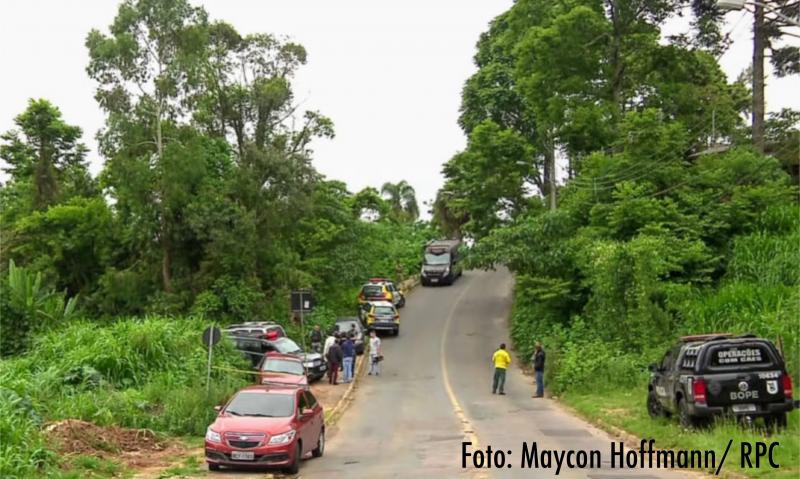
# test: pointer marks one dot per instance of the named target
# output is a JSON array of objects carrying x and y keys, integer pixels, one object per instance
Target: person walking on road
[
  {"x": 501, "y": 360},
  {"x": 375, "y": 356},
  {"x": 538, "y": 368},
  {"x": 335, "y": 357},
  {"x": 316, "y": 339},
  {"x": 349, "y": 353}
]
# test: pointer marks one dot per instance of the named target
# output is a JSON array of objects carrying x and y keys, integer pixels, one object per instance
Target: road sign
[
  {"x": 211, "y": 336},
  {"x": 302, "y": 300}
]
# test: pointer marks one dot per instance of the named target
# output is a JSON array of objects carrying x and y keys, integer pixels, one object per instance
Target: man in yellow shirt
[{"x": 501, "y": 360}]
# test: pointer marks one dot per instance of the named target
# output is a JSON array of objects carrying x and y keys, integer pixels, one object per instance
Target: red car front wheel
[{"x": 295, "y": 466}]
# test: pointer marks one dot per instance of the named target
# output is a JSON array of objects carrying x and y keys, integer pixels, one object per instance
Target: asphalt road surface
[{"x": 435, "y": 392}]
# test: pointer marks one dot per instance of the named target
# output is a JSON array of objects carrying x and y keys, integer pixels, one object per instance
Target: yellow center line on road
[{"x": 469, "y": 431}]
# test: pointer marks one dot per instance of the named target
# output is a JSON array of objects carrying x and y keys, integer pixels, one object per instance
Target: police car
[
  {"x": 381, "y": 316},
  {"x": 381, "y": 289},
  {"x": 719, "y": 374}
]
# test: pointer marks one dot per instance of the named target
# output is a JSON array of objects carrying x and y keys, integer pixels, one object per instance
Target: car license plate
[
  {"x": 434, "y": 280},
  {"x": 744, "y": 408},
  {"x": 243, "y": 456},
  {"x": 323, "y": 367}
]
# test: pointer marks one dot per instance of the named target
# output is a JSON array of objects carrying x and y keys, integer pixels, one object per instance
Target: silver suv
[{"x": 260, "y": 329}]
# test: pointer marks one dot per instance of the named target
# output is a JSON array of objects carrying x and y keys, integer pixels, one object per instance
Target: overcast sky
[{"x": 389, "y": 74}]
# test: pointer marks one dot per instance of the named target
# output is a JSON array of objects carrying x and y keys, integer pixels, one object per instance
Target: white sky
[{"x": 389, "y": 74}]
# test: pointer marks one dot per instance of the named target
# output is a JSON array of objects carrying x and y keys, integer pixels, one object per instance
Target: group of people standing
[
  {"x": 339, "y": 352},
  {"x": 501, "y": 360}
]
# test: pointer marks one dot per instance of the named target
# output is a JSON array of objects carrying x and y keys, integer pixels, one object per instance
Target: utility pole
[
  {"x": 553, "y": 185},
  {"x": 759, "y": 44},
  {"x": 550, "y": 167}
]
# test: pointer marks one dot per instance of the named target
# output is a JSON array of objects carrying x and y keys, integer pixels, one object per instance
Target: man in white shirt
[
  {"x": 328, "y": 343},
  {"x": 374, "y": 353}
]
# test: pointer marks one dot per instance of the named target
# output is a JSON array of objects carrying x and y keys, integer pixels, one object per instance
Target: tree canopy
[{"x": 207, "y": 202}]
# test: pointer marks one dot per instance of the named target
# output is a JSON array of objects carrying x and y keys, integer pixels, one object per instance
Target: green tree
[
  {"x": 27, "y": 305},
  {"x": 402, "y": 199},
  {"x": 487, "y": 183},
  {"x": 143, "y": 73},
  {"x": 45, "y": 154},
  {"x": 70, "y": 243},
  {"x": 369, "y": 204}
]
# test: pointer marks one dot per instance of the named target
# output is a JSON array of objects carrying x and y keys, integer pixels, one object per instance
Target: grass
[
  {"x": 191, "y": 467},
  {"x": 95, "y": 467},
  {"x": 138, "y": 373},
  {"x": 625, "y": 409}
]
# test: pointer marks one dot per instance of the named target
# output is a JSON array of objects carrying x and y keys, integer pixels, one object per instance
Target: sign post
[
  {"x": 211, "y": 336},
  {"x": 302, "y": 301}
]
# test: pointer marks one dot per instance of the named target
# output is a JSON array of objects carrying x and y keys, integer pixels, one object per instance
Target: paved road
[{"x": 435, "y": 392}]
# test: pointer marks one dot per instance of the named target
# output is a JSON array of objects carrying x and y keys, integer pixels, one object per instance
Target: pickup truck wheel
[
  {"x": 654, "y": 408},
  {"x": 686, "y": 419},
  {"x": 776, "y": 421}
]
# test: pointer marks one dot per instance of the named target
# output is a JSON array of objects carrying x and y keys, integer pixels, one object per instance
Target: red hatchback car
[
  {"x": 266, "y": 426},
  {"x": 282, "y": 369}
]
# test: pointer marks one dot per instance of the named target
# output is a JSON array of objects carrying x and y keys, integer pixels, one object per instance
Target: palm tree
[{"x": 402, "y": 198}]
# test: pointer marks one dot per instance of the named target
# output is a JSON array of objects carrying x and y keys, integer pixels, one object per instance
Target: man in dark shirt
[
  {"x": 335, "y": 358},
  {"x": 538, "y": 368},
  {"x": 316, "y": 339},
  {"x": 349, "y": 353}
]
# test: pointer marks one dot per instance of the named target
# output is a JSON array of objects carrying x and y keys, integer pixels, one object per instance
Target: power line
[{"x": 637, "y": 171}]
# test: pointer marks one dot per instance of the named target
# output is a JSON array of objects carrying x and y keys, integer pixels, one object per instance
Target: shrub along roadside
[
  {"x": 140, "y": 373},
  {"x": 624, "y": 408}
]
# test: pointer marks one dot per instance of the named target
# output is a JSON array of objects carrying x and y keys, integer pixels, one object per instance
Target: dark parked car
[
  {"x": 346, "y": 324},
  {"x": 713, "y": 375}
]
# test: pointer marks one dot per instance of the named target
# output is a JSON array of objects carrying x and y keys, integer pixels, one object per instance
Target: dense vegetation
[
  {"x": 207, "y": 202},
  {"x": 665, "y": 221},
  {"x": 207, "y": 209},
  {"x": 142, "y": 373}
]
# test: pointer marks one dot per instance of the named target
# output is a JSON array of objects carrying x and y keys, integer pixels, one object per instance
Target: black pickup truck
[{"x": 714, "y": 375}]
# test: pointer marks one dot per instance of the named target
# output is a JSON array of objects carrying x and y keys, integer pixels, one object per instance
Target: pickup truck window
[
  {"x": 739, "y": 357},
  {"x": 666, "y": 363}
]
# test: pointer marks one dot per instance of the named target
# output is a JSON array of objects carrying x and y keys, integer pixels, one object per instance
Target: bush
[
  {"x": 140, "y": 373},
  {"x": 23, "y": 448},
  {"x": 766, "y": 259}
]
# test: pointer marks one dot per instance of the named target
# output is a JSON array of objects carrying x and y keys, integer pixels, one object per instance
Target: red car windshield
[
  {"x": 259, "y": 404},
  {"x": 283, "y": 366}
]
